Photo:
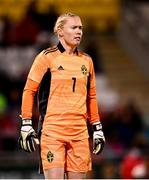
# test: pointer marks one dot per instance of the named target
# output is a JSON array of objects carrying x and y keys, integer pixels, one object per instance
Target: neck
[{"x": 68, "y": 48}]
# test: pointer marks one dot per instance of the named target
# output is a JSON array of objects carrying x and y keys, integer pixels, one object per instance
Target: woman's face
[{"x": 71, "y": 32}]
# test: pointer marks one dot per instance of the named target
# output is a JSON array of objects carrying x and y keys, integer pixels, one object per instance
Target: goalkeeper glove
[
  {"x": 28, "y": 138},
  {"x": 98, "y": 138}
]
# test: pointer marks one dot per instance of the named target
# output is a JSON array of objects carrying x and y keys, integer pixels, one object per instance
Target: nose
[{"x": 79, "y": 31}]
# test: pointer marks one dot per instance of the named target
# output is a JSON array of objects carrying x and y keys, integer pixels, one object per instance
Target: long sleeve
[
  {"x": 92, "y": 105},
  {"x": 37, "y": 71},
  {"x": 29, "y": 92}
]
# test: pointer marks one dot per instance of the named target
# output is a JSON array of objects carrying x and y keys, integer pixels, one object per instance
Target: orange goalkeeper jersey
[{"x": 67, "y": 93}]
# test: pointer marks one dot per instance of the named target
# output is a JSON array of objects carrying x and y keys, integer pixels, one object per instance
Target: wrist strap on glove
[
  {"x": 97, "y": 126},
  {"x": 26, "y": 122}
]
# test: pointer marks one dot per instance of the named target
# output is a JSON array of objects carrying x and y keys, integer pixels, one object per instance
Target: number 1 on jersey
[{"x": 74, "y": 83}]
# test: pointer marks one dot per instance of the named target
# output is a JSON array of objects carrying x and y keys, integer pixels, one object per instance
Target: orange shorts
[{"x": 73, "y": 155}]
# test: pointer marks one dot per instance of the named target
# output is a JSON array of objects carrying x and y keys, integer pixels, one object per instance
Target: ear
[{"x": 60, "y": 32}]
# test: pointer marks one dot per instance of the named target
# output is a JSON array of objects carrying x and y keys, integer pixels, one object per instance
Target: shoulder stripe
[{"x": 50, "y": 50}]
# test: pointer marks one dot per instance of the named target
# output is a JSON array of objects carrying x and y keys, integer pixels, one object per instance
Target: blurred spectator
[
  {"x": 111, "y": 27},
  {"x": 5, "y": 84},
  {"x": 6, "y": 31},
  {"x": 131, "y": 123},
  {"x": 27, "y": 30},
  {"x": 92, "y": 48},
  {"x": 109, "y": 170},
  {"x": 47, "y": 19},
  {"x": 121, "y": 127},
  {"x": 35, "y": 27},
  {"x": 135, "y": 163},
  {"x": 9, "y": 100},
  {"x": 111, "y": 121},
  {"x": 8, "y": 132},
  {"x": 1, "y": 30}
]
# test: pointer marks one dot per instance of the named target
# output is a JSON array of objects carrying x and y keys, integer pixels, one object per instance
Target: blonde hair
[{"x": 61, "y": 20}]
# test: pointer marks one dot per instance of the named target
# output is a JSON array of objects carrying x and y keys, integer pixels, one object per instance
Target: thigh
[
  {"x": 52, "y": 153},
  {"x": 54, "y": 173},
  {"x": 78, "y": 158},
  {"x": 76, "y": 175}
]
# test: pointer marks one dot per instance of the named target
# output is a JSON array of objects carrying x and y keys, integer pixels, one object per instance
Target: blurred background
[{"x": 116, "y": 35}]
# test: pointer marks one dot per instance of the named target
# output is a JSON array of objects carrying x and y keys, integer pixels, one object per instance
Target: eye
[
  {"x": 74, "y": 27},
  {"x": 80, "y": 27}
]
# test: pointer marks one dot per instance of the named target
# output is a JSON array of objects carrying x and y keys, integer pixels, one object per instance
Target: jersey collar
[{"x": 62, "y": 49}]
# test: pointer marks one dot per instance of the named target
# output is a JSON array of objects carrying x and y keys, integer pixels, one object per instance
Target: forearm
[
  {"x": 29, "y": 92},
  {"x": 92, "y": 106}
]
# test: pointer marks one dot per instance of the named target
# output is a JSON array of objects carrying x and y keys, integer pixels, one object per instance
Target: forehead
[{"x": 76, "y": 21}]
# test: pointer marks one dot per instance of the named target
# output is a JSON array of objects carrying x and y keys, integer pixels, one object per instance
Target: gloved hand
[
  {"x": 98, "y": 138},
  {"x": 28, "y": 138}
]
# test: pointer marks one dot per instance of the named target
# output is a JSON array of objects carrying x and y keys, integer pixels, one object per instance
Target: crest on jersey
[
  {"x": 50, "y": 156},
  {"x": 84, "y": 70}
]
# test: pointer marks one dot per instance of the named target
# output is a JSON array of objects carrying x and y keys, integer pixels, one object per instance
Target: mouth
[{"x": 77, "y": 38}]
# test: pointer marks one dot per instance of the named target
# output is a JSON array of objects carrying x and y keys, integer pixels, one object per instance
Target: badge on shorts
[
  {"x": 84, "y": 70},
  {"x": 50, "y": 156}
]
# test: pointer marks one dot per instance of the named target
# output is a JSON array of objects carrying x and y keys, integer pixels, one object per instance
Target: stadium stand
[
  {"x": 124, "y": 75},
  {"x": 99, "y": 10}
]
